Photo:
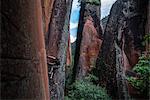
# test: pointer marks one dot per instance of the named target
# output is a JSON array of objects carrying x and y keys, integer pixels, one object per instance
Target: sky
[
  {"x": 105, "y": 8},
  {"x": 74, "y": 20}
]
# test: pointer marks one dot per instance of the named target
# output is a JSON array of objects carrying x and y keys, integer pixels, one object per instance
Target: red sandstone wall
[
  {"x": 47, "y": 6},
  {"x": 69, "y": 56},
  {"x": 24, "y": 73},
  {"x": 89, "y": 48}
]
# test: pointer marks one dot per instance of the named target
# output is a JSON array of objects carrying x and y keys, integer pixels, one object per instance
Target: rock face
[
  {"x": 55, "y": 27},
  {"x": 88, "y": 39},
  {"x": 122, "y": 44},
  {"x": 56, "y": 47},
  {"x": 89, "y": 48},
  {"x": 24, "y": 73},
  {"x": 104, "y": 21},
  {"x": 47, "y": 6},
  {"x": 147, "y": 29},
  {"x": 69, "y": 55}
]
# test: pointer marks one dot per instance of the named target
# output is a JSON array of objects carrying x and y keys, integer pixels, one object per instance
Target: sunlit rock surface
[
  {"x": 47, "y": 6},
  {"x": 89, "y": 39},
  {"x": 90, "y": 46},
  {"x": 69, "y": 56}
]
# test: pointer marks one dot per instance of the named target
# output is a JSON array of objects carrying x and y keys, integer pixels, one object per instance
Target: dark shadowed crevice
[{"x": 79, "y": 38}]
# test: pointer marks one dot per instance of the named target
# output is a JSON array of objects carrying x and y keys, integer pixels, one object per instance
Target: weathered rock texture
[
  {"x": 104, "y": 22},
  {"x": 56, "y": 47},
  {"x": 69, "y": 55},
  {"x": 77, "y": 43},
  {"x": 122, "y": 44},
  {"x": 23, "y": 57},
  {"x": 147, "y": 29},
  {"x": 89, "y": 48},
  {"x": 47, "y": 6},
  {"x": 88, "y": 39}
]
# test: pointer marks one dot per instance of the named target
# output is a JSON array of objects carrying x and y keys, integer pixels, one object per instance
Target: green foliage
[
  {"x": 69, "y": 73},
  {"x": 143, "y": 69},
  {"x": 90, "y": 78},
  {"x": 100, "y": 69},
  {"x": 69, "y": 70},
  {"x": 86, "y": 90},
  {"x": 147, "y": 37},
  {"x": 94, "y": 2}
]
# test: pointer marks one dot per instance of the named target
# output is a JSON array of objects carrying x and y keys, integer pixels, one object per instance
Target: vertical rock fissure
[
  {"x": 78, "y": 40},
  {"x": 120, "y": 75}
]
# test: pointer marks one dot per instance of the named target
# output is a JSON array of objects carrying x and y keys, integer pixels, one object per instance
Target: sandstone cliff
[
  {"x": 56, "y": 47},
  {"x": 69, "y": 53},
  {"x": 47, "y": 6},
  {"x": 24, "y": 73},
  {"x": 122, "y": 44},
  {"x": 89, "y": 39}
]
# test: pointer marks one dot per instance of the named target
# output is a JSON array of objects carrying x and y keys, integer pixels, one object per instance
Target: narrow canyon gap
[
  {"x": 89, "y": 39},
  {"x": 36, "y": 50}
]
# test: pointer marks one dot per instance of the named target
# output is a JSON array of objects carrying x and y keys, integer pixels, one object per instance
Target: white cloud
[
  {"x": 105, "y": 3},
  {"x": 73, "y": 25},
  {"x": 106, "y": 6},
  {"x": 75, "y": 5},
  {"x": 72, "y": 38}
]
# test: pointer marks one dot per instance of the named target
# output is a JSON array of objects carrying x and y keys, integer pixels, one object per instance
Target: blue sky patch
[{"x": 105, "y": 9}]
